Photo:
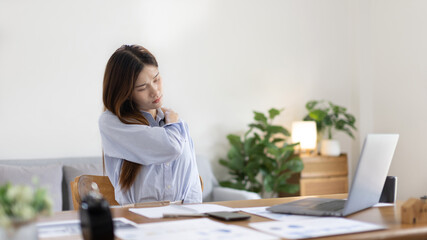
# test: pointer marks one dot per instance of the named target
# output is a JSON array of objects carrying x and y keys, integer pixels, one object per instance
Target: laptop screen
[{"x": 371, "y": 172}]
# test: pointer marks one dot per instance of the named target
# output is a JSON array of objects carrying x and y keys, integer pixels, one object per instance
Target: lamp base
[{"x": 308, "y": 152}]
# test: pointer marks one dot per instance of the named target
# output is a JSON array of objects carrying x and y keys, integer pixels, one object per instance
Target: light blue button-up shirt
[{"x": 165, "y": 151}]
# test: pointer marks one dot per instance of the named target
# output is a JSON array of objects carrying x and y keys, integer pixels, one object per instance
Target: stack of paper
[
  {"x": 157, "y": 212},
  {"x": 72, "y": 227},
  {"x": 315, "y": 227},
  {"x": 203, "y": 229},
  {"x": 263, "y": 212},
  {"x": 299, "y": 227}
]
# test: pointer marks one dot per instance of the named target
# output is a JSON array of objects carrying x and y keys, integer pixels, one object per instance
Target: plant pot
[{"x": 330, "y": 147}]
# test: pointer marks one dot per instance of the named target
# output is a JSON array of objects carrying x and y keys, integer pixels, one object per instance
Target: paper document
[
  {"x": 72, "y": 227},
  {"x": 157, "y": 212},
  {"x": 318, "y": 227},
  {"x": 194, "y": 229},
  {"x": 263, "y": 212}
]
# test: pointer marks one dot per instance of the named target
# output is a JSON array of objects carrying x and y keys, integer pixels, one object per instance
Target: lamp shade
[{"x": 305, "y": 133}]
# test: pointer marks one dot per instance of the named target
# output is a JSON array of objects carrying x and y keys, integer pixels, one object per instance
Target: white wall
[
  {"x": 220, "y": 60},
  {"x": 396, "y": 84},
  {"x": 52, "y": 58}
]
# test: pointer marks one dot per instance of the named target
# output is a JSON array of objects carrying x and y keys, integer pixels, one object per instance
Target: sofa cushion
[
  {"x": 71, "y": 172},
  {"x": 49, "y": 177},
  {"x": 209, "y": 180}
]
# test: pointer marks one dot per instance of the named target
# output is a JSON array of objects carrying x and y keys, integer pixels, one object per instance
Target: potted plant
[
  {"x": 329, "y": 117},
  {"x": 261, "y": 160},
  {"x": 19, "y": 207}
]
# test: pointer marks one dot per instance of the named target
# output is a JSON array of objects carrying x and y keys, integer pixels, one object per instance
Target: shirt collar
[{"x": 158, "y": 122}]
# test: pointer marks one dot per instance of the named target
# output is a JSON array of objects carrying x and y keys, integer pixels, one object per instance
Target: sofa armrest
[{"x": 230, "y": 194}]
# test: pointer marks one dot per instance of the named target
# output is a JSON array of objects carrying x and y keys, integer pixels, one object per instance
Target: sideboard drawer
[
  {"x": 320, "y": 186},
  {"x": 324, "y": 166}
]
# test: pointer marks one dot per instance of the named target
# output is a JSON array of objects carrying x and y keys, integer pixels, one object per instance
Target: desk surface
[{"x": 389, "y": 216}]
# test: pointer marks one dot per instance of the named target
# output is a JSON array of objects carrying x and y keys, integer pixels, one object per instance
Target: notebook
[{"x": 371, "y": 172}]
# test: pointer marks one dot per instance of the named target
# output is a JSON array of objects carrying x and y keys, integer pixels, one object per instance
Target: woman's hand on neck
[{"x": 170, "y": 115}]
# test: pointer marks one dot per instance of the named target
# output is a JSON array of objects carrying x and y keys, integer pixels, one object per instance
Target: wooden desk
[{"x": 389, "y": 216}]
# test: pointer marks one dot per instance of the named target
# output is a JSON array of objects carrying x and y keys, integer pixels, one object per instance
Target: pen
[
  {"x": 174, "y": 215},
  {"x": 153, "y": 204}
]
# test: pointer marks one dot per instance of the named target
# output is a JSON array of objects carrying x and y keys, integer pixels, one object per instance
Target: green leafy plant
[
  {"x": 329, "y": 116},
  {"x": 261, "y": 161},
  {"x": 20, "y": 203}
]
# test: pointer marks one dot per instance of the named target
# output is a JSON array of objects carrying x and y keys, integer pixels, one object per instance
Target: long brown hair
[{"x": 120, "y": 76}]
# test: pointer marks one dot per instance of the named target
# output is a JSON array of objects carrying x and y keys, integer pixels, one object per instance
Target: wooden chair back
[
  {"x": 201, "y": 182},
  {"x": 82, "y": 185}
]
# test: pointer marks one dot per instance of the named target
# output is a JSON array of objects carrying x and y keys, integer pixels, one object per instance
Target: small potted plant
[
  {"x": 19, "y": 207},
  {"x": 261, "y": 160},
  {"x": 330, "y": 117}
]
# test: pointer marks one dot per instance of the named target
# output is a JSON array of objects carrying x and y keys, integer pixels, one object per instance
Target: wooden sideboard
[{"x": 321, "y": 175}]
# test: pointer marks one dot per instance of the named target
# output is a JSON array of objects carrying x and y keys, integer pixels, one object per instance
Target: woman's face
[{"x": 148, "y": 92}]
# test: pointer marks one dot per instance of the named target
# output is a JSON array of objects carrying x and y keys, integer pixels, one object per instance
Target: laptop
[{"x": 365, "y": 191}]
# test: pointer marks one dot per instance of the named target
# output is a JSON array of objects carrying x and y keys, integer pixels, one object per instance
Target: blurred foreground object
[
  {"x": 19, "y": 207},
  {"x": 95, "y": 216}
]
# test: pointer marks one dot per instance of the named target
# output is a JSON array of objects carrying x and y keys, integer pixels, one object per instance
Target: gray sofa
[
  {"x": 53, "y": 174},
  {"x": 56, "y": 175},
  {"x": 212, "y": 192}
]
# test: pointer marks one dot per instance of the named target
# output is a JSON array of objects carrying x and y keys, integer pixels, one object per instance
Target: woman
[{"x": 148, "y": 152}]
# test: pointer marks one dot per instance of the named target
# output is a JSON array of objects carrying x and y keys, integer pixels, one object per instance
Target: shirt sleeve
[{"x": 140, "y": 143}]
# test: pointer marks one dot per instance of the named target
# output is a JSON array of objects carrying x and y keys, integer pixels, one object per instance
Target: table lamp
[{"x": 305, "y": 133}]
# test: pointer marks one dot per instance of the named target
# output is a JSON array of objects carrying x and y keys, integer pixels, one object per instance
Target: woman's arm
[{"x": 139, "y": 143}]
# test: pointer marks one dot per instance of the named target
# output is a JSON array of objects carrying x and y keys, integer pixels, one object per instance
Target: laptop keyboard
[{"x": 331, "y": 206}]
